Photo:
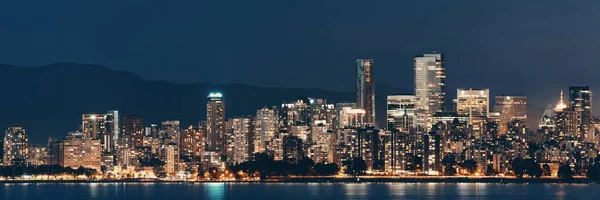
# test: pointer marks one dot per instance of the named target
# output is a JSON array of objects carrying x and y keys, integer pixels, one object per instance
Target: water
[{"x": 304, "y": 191}]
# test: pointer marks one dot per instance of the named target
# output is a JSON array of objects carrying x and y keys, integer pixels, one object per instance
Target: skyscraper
[
  {"x": 510, "y": 108},
  {"x": 400, "y": 111},
  {"x": 15, "y": 146},
  {"x": 365, "y": 88},
  {"x": 133, "y": 131},
  {"x": 565, "y": 120},
  {"x": 473, "y": 102},
  {"x": 215, "y": 123},
  {"x": 580, "y": 100},
  {"x": 266, "y": 128},
  {"x": 93, "y": 125},
  {"x": 113, "y": 130},
  {"x": 430, "y": 88},
  {"x": 242, "y": 139}
]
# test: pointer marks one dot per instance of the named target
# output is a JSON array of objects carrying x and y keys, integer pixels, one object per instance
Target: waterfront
[{"x": 297, "y": 191}]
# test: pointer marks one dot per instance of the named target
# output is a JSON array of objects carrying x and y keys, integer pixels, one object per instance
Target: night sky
[{"x": 532, "y": 48}]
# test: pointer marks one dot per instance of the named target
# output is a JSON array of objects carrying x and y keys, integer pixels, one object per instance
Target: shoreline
[{"x": 337, "y": 180}]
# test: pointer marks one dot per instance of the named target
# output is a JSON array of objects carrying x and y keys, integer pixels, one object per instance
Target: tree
[
  {"x": 546, "y": 171},
  {"x": 470, "y": 166},
  {"x": 518, "y": 167},
  {"x": 214, "y": 173},
  {"x": 322, "y": 169},
  {"x": 304, "y": 167},
  {"x": 564, "y": 171},
  {"x": 449, "y": 160},
  {"x": 594, "y": 170},
  {"x": 532, "y": 168},
  {"x": 449, "y": 171},
  {"x": 355, "y": 167}
]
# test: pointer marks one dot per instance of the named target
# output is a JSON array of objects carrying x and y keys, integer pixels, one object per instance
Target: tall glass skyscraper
[
  {"x": 215, "y": 123},
  {"x": 430, "y": 88},
  {"x": 365, "y": 88},
  {"x": 580, "y": 100}
]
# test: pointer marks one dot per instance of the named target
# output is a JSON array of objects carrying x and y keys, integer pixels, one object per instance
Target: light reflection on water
[
  {"x": 303, "y": 191},
  {"x": 215, "y": 190}
]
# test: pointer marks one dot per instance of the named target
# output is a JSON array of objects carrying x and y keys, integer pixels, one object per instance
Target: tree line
[
  {"x": 265, "y": 166},
  {"x": 51, "y": 170}
]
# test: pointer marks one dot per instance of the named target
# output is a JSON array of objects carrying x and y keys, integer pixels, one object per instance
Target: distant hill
[{"x": 49, "y": 100}]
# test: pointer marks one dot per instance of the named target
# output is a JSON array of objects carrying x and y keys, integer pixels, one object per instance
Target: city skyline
[{"x": 421, "y": 136}]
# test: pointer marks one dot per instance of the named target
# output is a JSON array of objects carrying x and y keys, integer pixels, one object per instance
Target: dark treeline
[
  {"x": 264, "y": 166},
  {"x": 52, "y": 170}
]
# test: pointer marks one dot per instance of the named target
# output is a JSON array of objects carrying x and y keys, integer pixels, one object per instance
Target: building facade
[
  {"x": 365, "y": 88},
  {"x": 430, "y": 88}
]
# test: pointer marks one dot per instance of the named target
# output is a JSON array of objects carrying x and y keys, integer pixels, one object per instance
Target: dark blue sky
[{"x": 528, "y": 47}]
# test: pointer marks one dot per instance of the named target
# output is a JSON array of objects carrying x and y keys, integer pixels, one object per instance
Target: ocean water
[{"x": 304, "y": 191}]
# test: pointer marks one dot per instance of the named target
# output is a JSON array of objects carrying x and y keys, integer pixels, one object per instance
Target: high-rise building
[
  {"x": 430, "y": 88},
  {"x": 170, "y": 132},
  {"x": 510, "y": 108},
  {"x": 580, "y": 101},
  {"x": 133, "y": 131},
  {"x": 55, "y": 152},
  {"x": 473, "y": 102},
  {"x": 351, "y": 117},
  {"x": 292, "y": 149},
  {"x": 565, "y": 120},
  {"x": 266, "y": 126},
  {"x": 82, "y": 152},
  {"x": 37, "y": 155},
  {"x": 113, "y": 130},
  {"x": 242, "y": 139},
  {"x": 400, "y": 111},
  {"x": 93, "y": 125},
  {"x": 365, "y": 88},
  {"x": 15, "y": 146},
  {"x": 215, "y": 123},
  {"x": 172, "y": 158},
  {"x": 192, "y": 143}
]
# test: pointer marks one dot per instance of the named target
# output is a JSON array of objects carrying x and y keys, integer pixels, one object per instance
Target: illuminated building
[
  {"x": 365, "y": 88},
  {"x": 82, "y": 152},
  {"x": 215, "y": 123},
  {"x": 210, "y": 160},
  {"x": 565, "y": 120},
  {"x": 510, "y": 108},
  {"x": 172, "y": 158},
  {"x": 151, "y": 131},
  {"x": 266, "y": 126},
  {"x": 37, "y": 155},
  {"x": 300, "y": 132},
  {"x": 15, "y": 146},
  {"x": 55, "y": 152},
  {"x": 292, "y": 149},
  {"x": 93, "y": 126},
  {"x": 242, "y": 139},
  {"x": 430, "y": 88},
  {"x": 297, "y": 113},
  {"x": 113, "y": 131},
  {"x": 400, "y": 112},
  {"x": 547, "y": 119},
  {"x": 192, "y": 143},
  {"x": 321, "y": 111},
  {"x": 133, "y": 132},
  {"x": 473, "y": 102},
  {"x": 351, "y": 117},
  {"x": 580, "y": 101},
  {"x": 322, "y": 148},
  {"x": 170, "y": 133}
]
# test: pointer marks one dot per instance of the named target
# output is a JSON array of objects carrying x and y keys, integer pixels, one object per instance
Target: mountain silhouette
[{"x": 49, "y": 100}]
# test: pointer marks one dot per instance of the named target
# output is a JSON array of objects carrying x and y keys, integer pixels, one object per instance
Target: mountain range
[{"x": 49, "y": 100}]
